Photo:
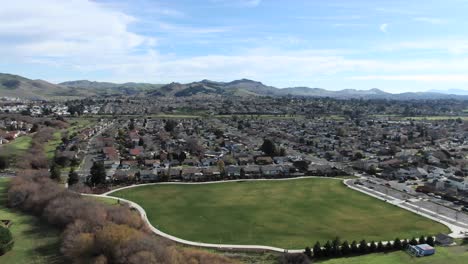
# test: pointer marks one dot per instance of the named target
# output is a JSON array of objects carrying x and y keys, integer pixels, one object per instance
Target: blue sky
[{"x": 388, "y": 44}]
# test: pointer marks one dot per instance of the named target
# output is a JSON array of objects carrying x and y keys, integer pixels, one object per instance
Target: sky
[{"x": 393, "y": 45}]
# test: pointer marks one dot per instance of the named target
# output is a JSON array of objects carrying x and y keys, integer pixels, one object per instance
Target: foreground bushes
[
  {"x": 6, "y": 240},
  {"x": 95, "y": 232}
]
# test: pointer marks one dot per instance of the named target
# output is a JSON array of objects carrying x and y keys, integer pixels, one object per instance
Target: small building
[{"x": 421, "y": 250}]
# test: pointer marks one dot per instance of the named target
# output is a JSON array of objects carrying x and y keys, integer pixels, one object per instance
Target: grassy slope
[
  {"x": 35, "y": 241},
  {"x": 16, "y": 148},
  {"x": 289, "y": 214},
  {"x": 452, "y": 255},
  {"x": 52, "y": 144}
]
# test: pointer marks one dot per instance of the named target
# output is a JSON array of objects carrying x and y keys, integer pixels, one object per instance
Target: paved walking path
[{"x": 455, "y": 230}]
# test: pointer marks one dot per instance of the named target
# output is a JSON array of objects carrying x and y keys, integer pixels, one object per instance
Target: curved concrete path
[{"x": 142, "y": 212}]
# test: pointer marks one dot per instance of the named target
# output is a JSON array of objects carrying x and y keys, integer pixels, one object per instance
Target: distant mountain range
[
  {"x": 246, "y": 87},
  {"x": 17, "y": 86},
  {"x": 451, "y": 91}
]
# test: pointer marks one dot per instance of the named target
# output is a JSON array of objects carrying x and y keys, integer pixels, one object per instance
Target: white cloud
[
  {"x": 383, "y": 28},
  {"x": 63, "y": 29}
]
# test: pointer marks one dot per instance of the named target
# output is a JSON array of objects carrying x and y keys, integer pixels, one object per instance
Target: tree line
[{"x": 337, "y": 248}]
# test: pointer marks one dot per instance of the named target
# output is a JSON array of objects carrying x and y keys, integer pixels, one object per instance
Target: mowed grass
[
  {"x": 16, "y": 148},
  {"x": 35, "y": 241},
  {"x": 52, "y": 144},
  {"x": 450, "y": 255},
  {"x": 289, "y": 214}
]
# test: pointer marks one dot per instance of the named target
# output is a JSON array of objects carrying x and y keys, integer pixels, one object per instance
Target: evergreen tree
[
  {"x": 354, "y": 247},
  {"x": 373, "y": 247},
  {"x": 336, "y": 252},
  {"x": 363, "y": 247},
  {"x": 268, "y": 147},
  {"x": 397, "y": 244},
  {"x": 422, "y": 240},
  {"x": 328, "y": 249},
  {"x": 73, "y": 177},
  {"x": 318, "y": 250},
  {"x": 430, "y": 241},
  {"x": 55, "y": 172},
  {"x": 413, "y": 242},
  {"x": 3, "y": 162},
  {"x": 380, "y": 247},
  {"x": 389, "y": 246},
  {"x": 404, "y": 244},
  {"x": 98, "y": 174},
  {"x": 345, "y": 248},
  {"x": 308, "y": 252}
]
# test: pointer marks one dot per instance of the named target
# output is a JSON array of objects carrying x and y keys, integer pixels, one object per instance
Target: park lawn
[
  {"x": 16, "y": 148},
  {"x": 444, "y": 255},
  {"x": 52, "y": 144},
  {"x": 35, "y": 241},
  {"x": 289, "y": 214},
  {"x": 78, "y": 124}
]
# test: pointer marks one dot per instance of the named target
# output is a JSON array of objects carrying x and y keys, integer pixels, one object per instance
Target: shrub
[
  {"x": 6, "y": 240},
  {"x": 93, "y": 231}
]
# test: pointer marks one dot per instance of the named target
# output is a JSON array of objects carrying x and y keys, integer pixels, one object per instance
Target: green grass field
[
  {"x": 35, "y": 241},
  {"x": 450, "y": 255},
  {"x": 16, "y": 148},
  {"x": 287, "y": 214},
  {"x": 52, "y": 144}
]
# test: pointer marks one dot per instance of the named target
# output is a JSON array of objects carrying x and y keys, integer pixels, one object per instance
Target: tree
[
  {"x": 6, "y": 240},
  {"x": 308, "y": 252},
  {"x": 380, "y": 247},
  {"x": 336, "y": 252},
  {"x": 131, "y": 126},
  {"x": 422, "y": 240},
  {"x": 268, "y": 147},
  {"x": 373, "y": 247},
  {"x": 55, "y": 172},
  {"x": 345, "y": 248},
  {"x": 413, "y": 242},
  {"x": 318, "y": 250},
  {"x": 170, "y": 125},
  {"x": 327, "y": 249},
  {"x": 363, "y": 247},
  {"x": 141, "y": 142},
  {"x": 73, "y": 177},
  {"x": 221, "y": 166},
  {"x": 430, "y": 241},
  {"x": 354, "y": 247},
  {"x": 98, "y": 174},
  {"x": 397, "y": 244},
  {"x": 3, "y": 162},
  {"x": 34, "y": 128},
  {"x": 404, "y": 244}
]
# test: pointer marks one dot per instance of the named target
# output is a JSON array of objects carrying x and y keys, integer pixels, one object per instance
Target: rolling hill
[{"x": 18, "y": 86}]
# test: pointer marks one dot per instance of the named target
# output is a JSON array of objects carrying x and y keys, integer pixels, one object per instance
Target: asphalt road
[
  {"x": 91, "y": 153},
  {"x": 413, "y": 200}
]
